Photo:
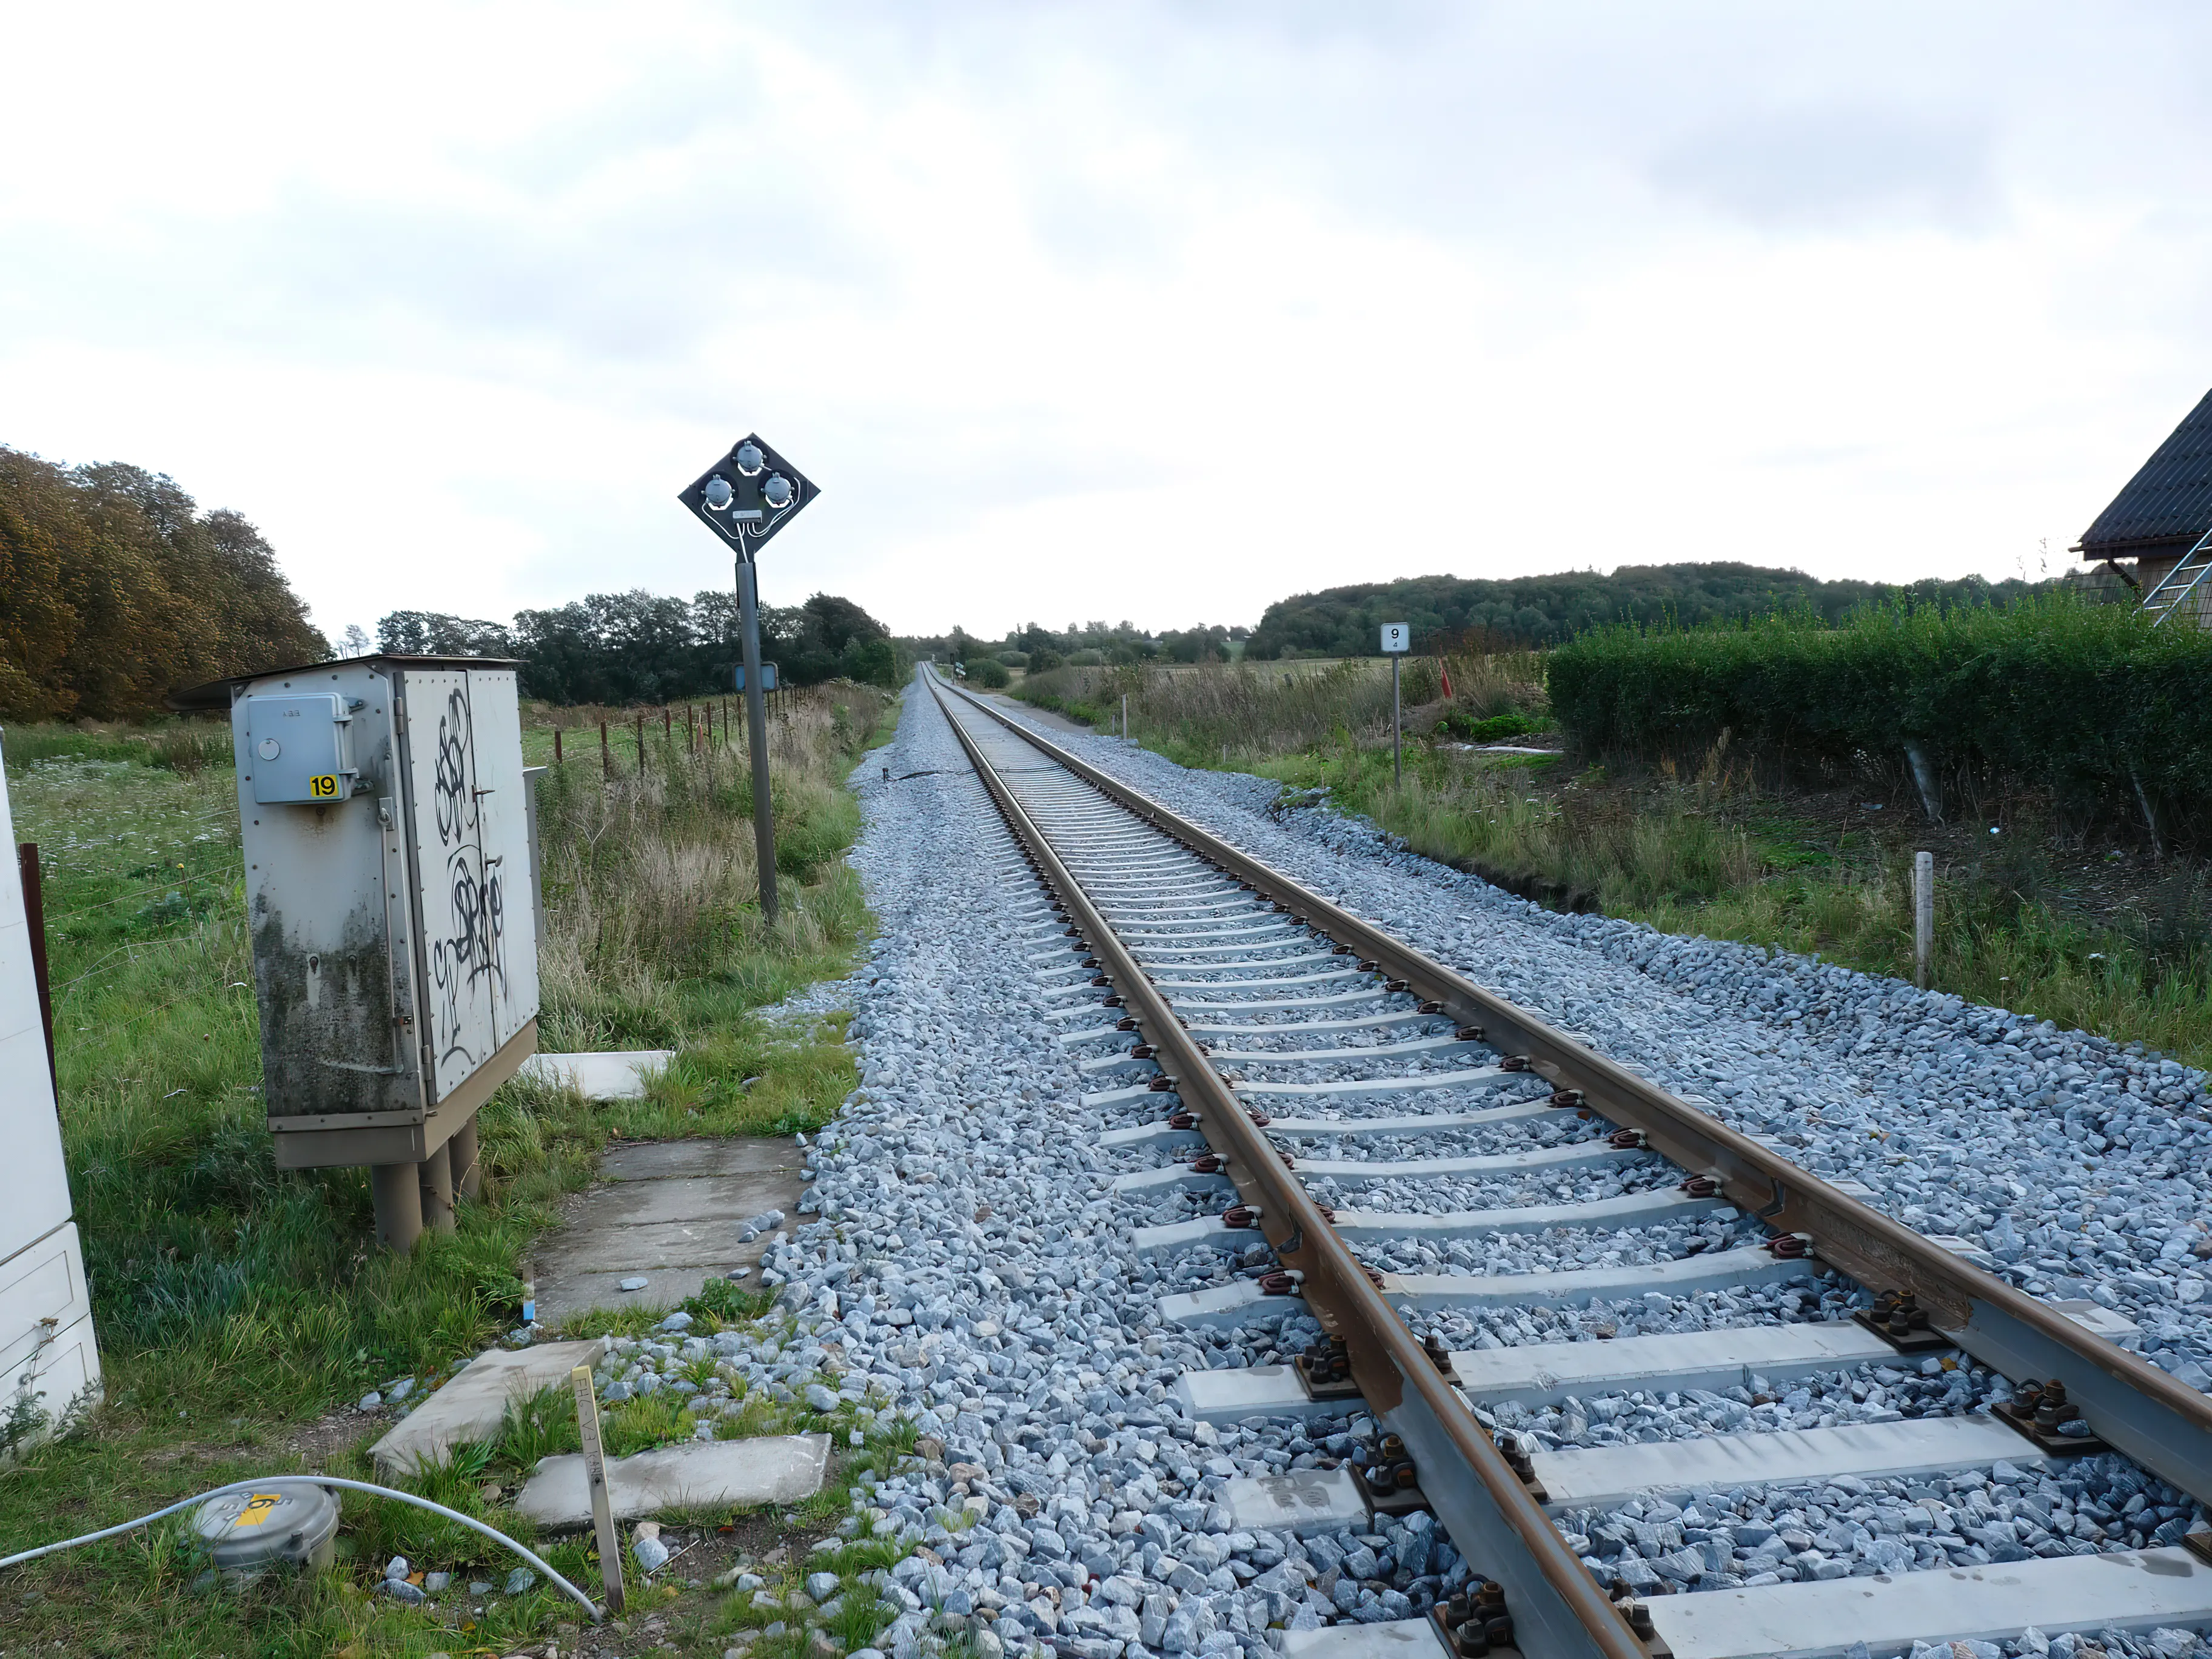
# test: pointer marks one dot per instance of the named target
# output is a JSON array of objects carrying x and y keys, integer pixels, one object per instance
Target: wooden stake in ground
[
  {"x": 1923, "y": 918},
  {"x": 595, "y": 1473}
]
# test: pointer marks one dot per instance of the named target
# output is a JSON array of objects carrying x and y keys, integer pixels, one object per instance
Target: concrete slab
[
  {"x": 472, "y": 1406},
  {"x": 1630, "y": 1210},
  {"x": 1599, "y": 1475},
  {"x": 1684, "y": 1276},
  {"x": 1482, "y": 1077},
  {"x": 598, "y": 1077},
  {"x": 1237, "y": 1303},
  {"x": 1575, "y": 1155},
  {"x": 733, "y": 1156},
  {"x": 1231, "y": 1396},
  {"x": 1303, "y": 1501},
  {"x": 667, "y": 1212},
  {"x": 1173, "y": 1177},
  {"x": 1386, "y": 1639},
  {"x": 2134, "y": 1590},
  {"x": 1544, "y": 1372},
  {"x": 1363, "y": 1129},
  {"x": 780, "y": 1468}
]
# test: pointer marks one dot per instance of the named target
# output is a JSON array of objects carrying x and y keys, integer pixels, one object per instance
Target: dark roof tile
[{"x": 2169, "y": 501}]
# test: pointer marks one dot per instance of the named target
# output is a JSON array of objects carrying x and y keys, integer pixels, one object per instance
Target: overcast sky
[{"x": 1150, "y": 310}]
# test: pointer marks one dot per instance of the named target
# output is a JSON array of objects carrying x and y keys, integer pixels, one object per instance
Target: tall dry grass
[
  {"x": 651, "y": 884},
  {"x": 1248, "y": 712}
]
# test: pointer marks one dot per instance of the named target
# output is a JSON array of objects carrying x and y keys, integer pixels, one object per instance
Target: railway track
[{"x": 1276, "y": 1060}]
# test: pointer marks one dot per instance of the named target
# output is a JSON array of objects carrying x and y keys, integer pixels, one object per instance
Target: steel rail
[
  {"x": 2155, "y": 1418},
  {"x": 1558, "y": 1609}
]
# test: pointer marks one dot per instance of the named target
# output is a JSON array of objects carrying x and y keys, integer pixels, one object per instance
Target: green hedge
[{"x": 2079, "y": 699}]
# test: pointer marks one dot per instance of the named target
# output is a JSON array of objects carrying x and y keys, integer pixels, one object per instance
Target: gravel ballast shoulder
[{"x": 961, "y": 1254}]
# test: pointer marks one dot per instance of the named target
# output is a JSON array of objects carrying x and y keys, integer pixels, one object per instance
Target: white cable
[{"x": 582, "y": 1600}]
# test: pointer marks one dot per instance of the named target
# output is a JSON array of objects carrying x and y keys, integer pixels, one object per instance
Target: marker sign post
[
  {"x": 1397, "y": 640},
  {"x": 744, "y": 498}
]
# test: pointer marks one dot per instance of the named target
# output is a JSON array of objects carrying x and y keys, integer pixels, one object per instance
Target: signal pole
[
  {"x": 744, "y": 498},
  {"x": 757, "y": 736}
]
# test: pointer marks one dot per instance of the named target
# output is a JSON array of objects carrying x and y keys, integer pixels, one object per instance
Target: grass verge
[{"x": 236, "y": 1303}]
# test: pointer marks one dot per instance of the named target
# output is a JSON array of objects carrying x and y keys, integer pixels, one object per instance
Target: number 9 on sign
[
  {"x": 324, "y": 786},
  {"x": 1397, "y": 637}
]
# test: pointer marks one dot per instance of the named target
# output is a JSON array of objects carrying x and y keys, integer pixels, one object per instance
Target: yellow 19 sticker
[
  {"x": 324, "y": 786},
  {"x": 258, "y": 1506}
]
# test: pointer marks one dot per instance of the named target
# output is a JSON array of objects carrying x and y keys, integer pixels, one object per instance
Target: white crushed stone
[{"x": 961, "y": 1257}]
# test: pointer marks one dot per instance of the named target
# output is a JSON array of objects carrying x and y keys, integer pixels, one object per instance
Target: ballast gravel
[
  {"x": 963, "y": 1259},
  {"x": 2082, "y": 1165}
]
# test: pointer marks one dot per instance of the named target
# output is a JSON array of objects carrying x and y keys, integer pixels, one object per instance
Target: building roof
[{"x": 2167, "y": 505}]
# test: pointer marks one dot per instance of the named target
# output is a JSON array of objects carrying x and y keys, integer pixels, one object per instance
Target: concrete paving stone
[
  {"x": 598, "y": 1077},
  {"x": 667, "y": 1211},
  {"x": 701, "y": 1473},
  {"x": 472, "y": 1406},
  {"x": 1306, "y": 1500},
  {"x": 1387, "y": 1638},
  {"x": 2129, "y": 1590},
  {"x": 1600, "y": 1476}
]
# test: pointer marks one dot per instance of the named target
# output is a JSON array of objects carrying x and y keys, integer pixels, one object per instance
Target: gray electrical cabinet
[{"x": 391, "y": 891}]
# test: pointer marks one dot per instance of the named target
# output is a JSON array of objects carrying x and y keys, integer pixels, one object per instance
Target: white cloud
[{"x": 1159, "y": 311}]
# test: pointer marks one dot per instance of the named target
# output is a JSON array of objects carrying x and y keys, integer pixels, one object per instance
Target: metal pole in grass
[
  {"x": 641, "y": 742},
  {"x": 757, "y": 737},
  {"x": 1923, "y": 918},
  {"x": 606, "y": 755},
  {"x": 557, "y": 745},
  {"x": 1397, "y": 638},
  {"x": 595, "y": 1475}
]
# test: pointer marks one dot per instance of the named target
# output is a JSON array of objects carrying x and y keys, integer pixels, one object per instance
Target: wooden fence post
[{"x": 595, "y": 1478}]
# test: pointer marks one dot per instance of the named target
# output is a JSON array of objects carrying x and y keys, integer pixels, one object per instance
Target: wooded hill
[
  {"x": 115, "y": 589},
  {"x": 1535, "y": 611}
]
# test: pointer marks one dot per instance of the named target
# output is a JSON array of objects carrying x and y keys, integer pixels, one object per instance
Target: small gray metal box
[{"x": 299, "y": 747}]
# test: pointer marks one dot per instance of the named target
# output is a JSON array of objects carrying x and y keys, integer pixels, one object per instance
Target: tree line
[
  {"x": 647, "y": 647},
  {"x": 1542, "y": 610},
  {"x": 115, "y": 589},
  {"x": 1040, "y": 649}
]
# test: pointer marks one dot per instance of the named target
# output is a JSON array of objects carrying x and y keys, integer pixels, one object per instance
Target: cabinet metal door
[
  {"x": 503, "y": 832},
  {"x": 459, "y": 931}
]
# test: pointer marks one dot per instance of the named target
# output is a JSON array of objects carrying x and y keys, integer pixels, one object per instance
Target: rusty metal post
[
  {"x": 557, "y": 745},
  {"x": 606, "y": 755},
  {"x": 641, "y": 742},
  {"x": 34, "y": 919}
]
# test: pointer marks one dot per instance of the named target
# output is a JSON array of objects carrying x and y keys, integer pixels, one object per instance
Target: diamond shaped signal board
[{"x": 748, "y": 496}]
